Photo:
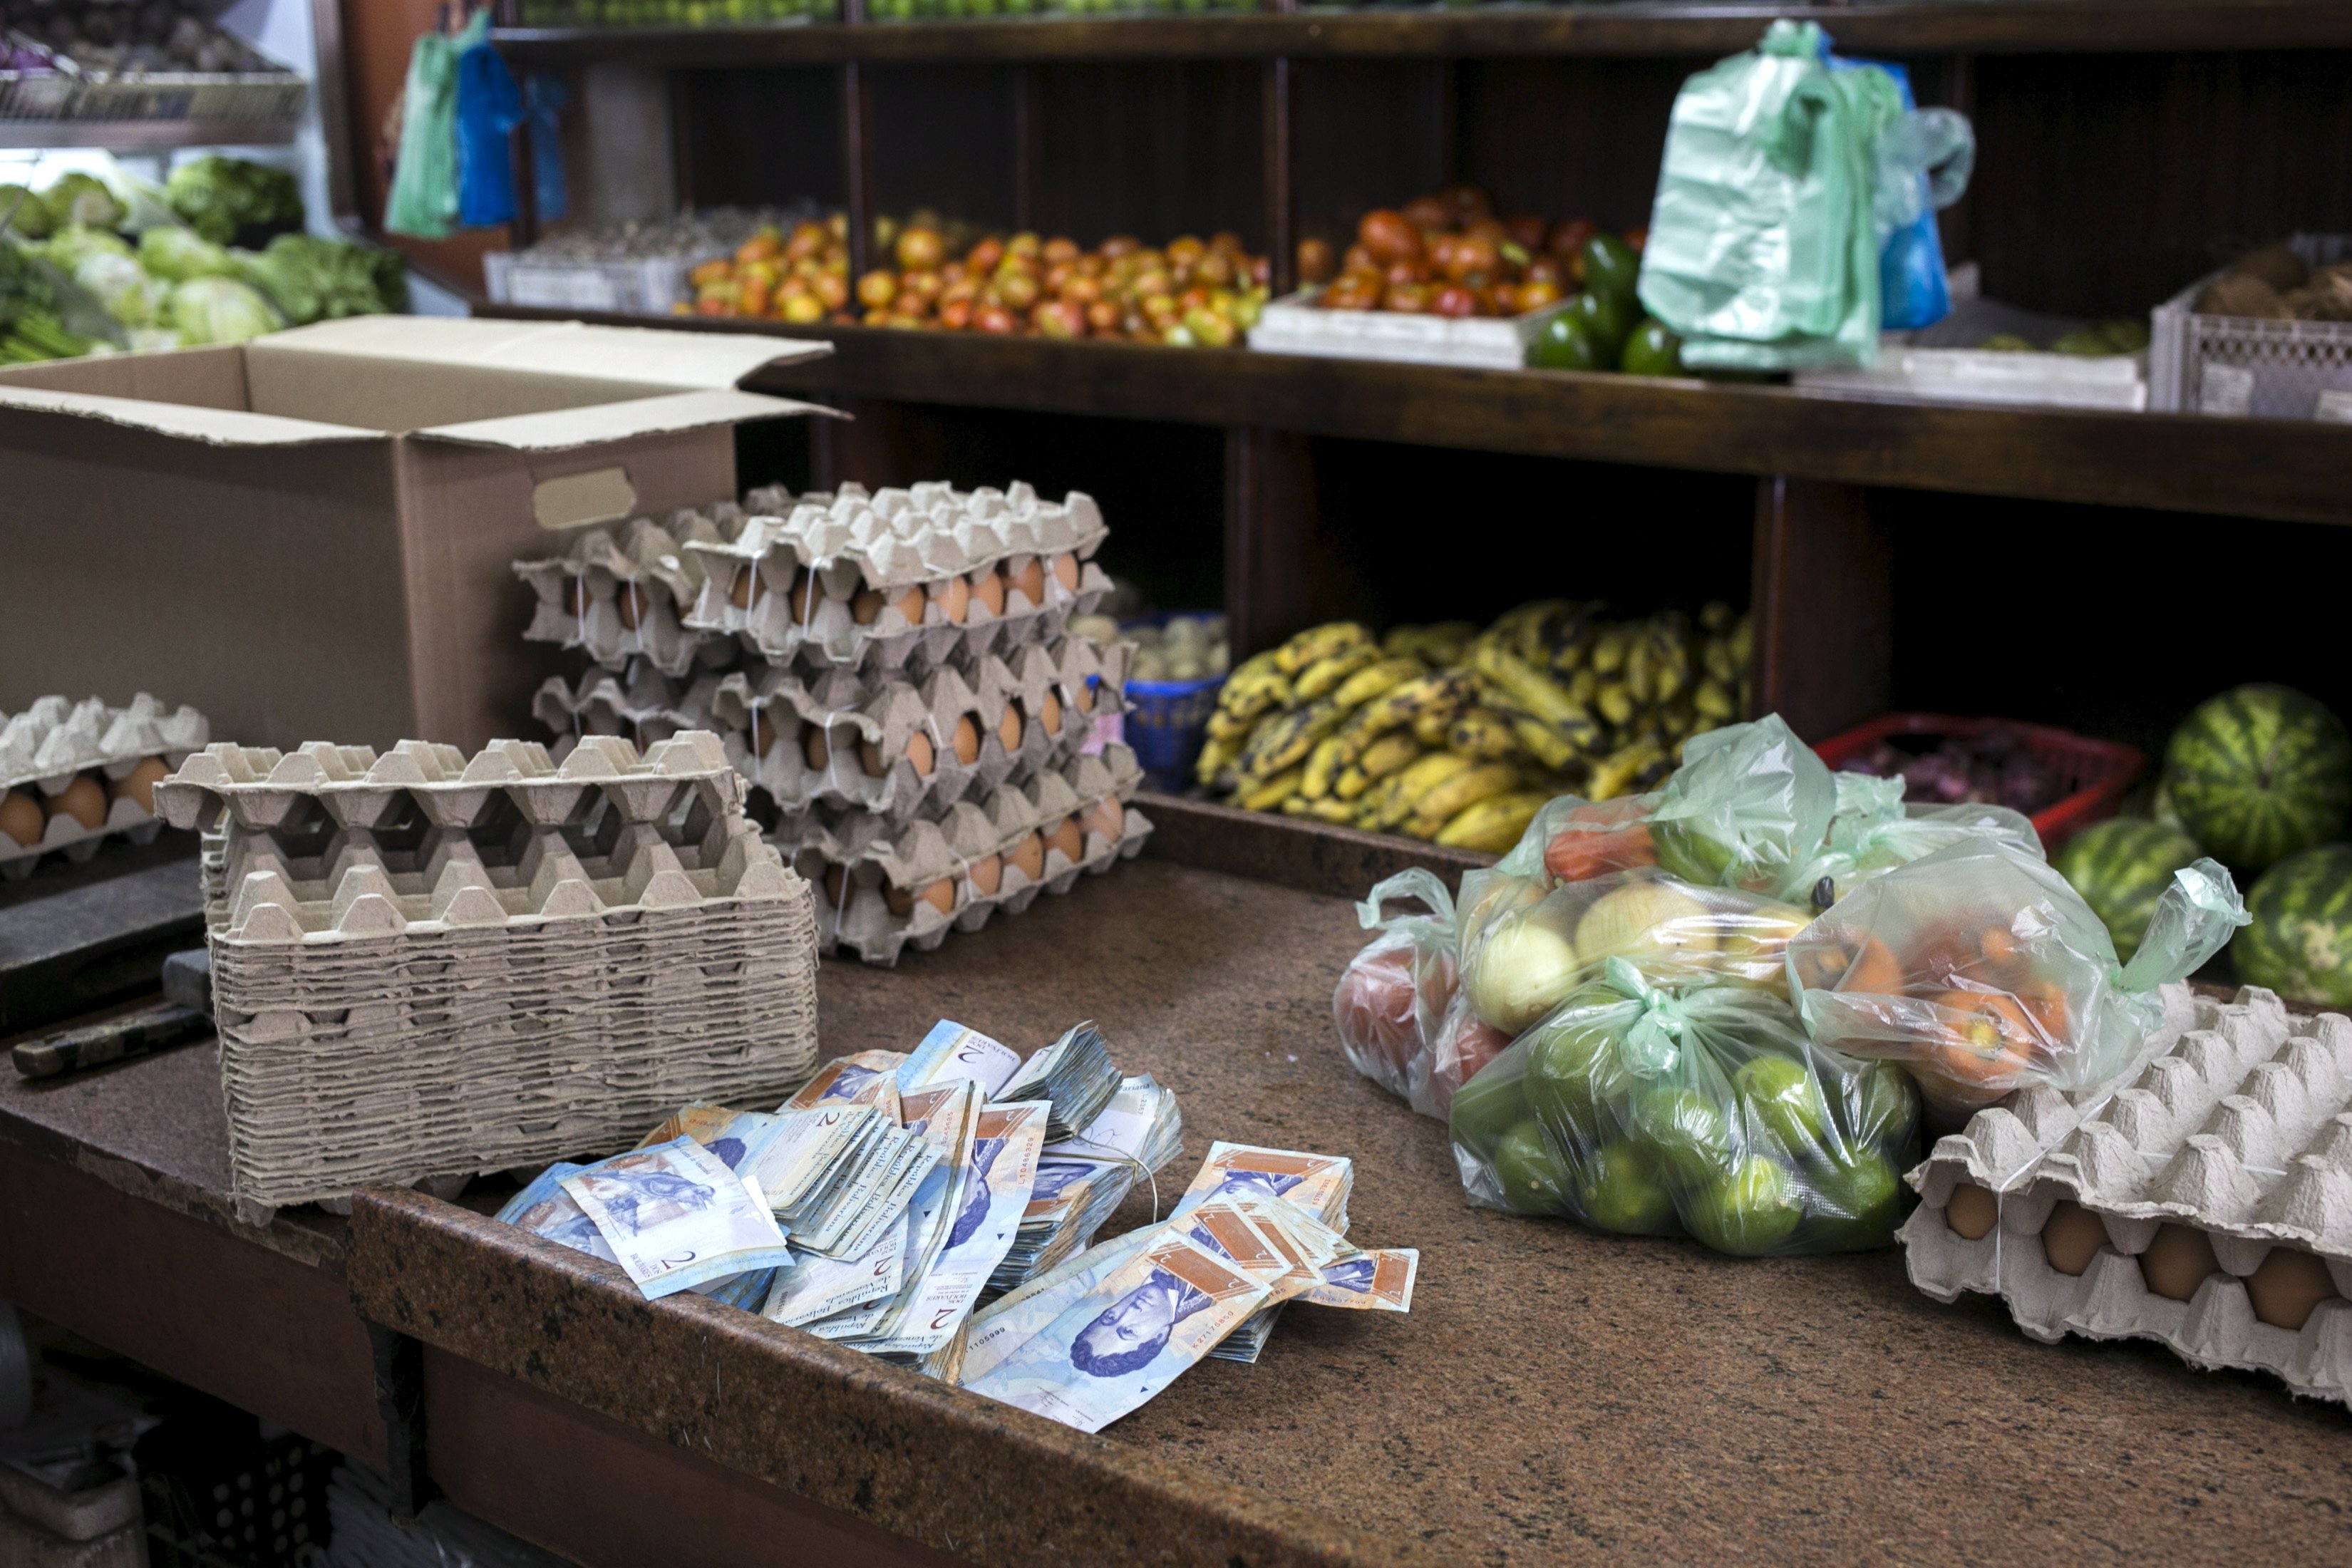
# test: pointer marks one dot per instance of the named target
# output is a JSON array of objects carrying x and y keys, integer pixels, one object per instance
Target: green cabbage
[
  {"x": 176, "y": 255},
  {"x": 313, "y": 279},
  {"x": 79, "y": 198},
  {"x": 23, "y": 212},
  {"x": 218, "y": 196},
  {"x": 105, "y": 266},
  {"x": 219, "y": 310}
]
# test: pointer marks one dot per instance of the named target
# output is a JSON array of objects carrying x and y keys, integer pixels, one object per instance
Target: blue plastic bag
[
  {"x": 1923, "y": 161},
  {"x": 490, "y": 106}
]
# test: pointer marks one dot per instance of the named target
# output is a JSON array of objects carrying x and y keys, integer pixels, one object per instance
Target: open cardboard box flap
[{"x": 485, "y": 383}]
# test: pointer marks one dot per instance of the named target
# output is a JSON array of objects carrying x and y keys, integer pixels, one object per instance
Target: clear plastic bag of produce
[
  {"x": 1704, "y": 1111},
  {"x": 1875, "y": 831},
  {"x": 1978, "y": 969},
  {"x": 1393, "y": 996}
]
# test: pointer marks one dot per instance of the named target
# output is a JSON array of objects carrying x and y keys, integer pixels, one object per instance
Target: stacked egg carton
[
  {"x": 429, "y": 965},
  {"x": 73, "y": 775},
  {"x": 2207, "y": 1202},
  {"x": 873, "y": 661}
]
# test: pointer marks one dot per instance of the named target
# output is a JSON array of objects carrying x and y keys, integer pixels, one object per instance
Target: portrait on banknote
[
  {"x": 640, "y": 1194},
  {"x": 1135, "y": 1328}
]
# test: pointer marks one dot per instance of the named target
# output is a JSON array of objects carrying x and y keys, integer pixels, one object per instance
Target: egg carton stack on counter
[
  {"x": 2207, "y": 1202},
  {"x": 73, "y": 775},
  {"x": 894, "y": 670},
  {"x": 429, "y": 965}
]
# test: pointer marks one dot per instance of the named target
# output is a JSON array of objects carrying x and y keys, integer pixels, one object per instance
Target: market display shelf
[
  {"x": 2287, "y": 469},
  {"x": 1926, "y": 27},
  {"x": 144, "y": 135}
]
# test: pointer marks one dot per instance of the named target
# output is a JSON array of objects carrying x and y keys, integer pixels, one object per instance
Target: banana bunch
[{"x": 1456, "y": 735}]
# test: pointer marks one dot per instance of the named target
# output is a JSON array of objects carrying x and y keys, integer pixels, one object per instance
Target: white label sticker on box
[
  {"x": 2225, "y": 389},
  {"x": 600, "y": 495},
  {"x": 2335, "y": 405}
]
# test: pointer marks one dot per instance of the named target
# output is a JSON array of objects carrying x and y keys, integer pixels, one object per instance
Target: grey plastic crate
[{"x": 2292, "y": 362}]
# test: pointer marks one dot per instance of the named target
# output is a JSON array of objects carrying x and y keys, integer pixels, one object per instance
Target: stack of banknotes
[
  {"x": 1092, "y": 1339},
  {"x": 878, "y": 1205}
]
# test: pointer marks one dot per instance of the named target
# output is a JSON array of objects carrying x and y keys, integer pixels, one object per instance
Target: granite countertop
[{"x": 1555, "y": 1393}]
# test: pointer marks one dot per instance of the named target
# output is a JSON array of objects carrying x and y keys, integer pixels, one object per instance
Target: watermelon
[
  {"x": 2258, "y": 772},
  {"x": 2300, "y": 944},
  {"x": 2120, "y": 866}
]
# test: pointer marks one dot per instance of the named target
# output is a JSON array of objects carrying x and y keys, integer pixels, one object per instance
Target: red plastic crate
[{"x": 2094, "y": 775}]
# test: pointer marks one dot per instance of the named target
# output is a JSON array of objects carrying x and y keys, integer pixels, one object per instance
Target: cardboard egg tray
[
  {"x": 901, "y": 579},
  {"x": 622, "y": 592},
  {"x": 878, "y": 881},
  {"x": 2221, "y": 1167},
  {"x": 430, "y": 965},
  {"x": 50, "y": 745},
  {"x": 641, "y": 703},
  {"x": 937, "y": 740}
]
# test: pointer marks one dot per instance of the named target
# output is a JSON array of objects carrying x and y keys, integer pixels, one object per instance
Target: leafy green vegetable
[
  {"x": 42, "y": 315},
  {"x": 176, "y": 255},
  {"x": 220, "y": 311},
  {"x": 218, "y": 196},
  {"x": 313, "y": 279},
  {"x": 23, "y": 212},
  {"x": 104, "y": 265},
  {"x": 80, "y": 198}
]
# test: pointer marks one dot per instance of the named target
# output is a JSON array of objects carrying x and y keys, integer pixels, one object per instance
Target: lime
[
  {"x": 1486, "y": 1107},
  {"x": 1783, "y": 1098},
  {"x": 1610, "y": 316},
  {"x": 1750, "y": 1211},
  {"x": 1686, "y": 1132},
  {"x": 1857, "y": 1201},
  {"x": 1573, "y": 1074},
  {"x": 1612, "y": 266},
  {"x": 1652, "y": 350},
  {"x": 1566, "y": 343},
  {"x": 1621, "y": 1192},
  {"x": 1529, "y": 1173},
  {"x": 1881, "y": 1107}
]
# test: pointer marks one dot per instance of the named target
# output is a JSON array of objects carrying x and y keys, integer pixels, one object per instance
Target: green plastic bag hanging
[
  {"x": 1763, "y": 247},
  {"x": 422, "y": 204}
]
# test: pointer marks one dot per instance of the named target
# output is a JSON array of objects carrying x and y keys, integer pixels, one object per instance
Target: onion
[{"x": 1523, "y": 970}]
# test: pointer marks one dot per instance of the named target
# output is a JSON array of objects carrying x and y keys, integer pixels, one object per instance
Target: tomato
[
  {"x": 1315, "y": 262},
  {"x": 1388, "y": 235}
]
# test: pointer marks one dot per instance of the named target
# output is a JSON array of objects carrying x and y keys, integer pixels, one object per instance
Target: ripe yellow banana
[
  {"x": 1608, "y": 656},
  {"x": 1317, "y": 644},
  {"x": 1620, "y": 773},
  {"x": 1494, "y": 823},
  {"x": 1390, "y": 753},
  {"x": 1484, "y": 733},
  {"x": 1440, "y": 806},
  {"x": 1615, "y": 702},
  {"x": 1373, "y": 679},
  {"x": 1273, "y": 792},
  {"x": 1713, "y": 699},
  {"x": 1285, "y": 742},
  {"x": 1552, "y": 748},
  {"x": 1322, "y": 768},
  {"x": 1417, "y": 781},
  {"x": 1215, "y": 758},
  {"x": 1325, "y": 675}
]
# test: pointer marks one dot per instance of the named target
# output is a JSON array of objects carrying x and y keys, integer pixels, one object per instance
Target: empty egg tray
[
  {"x": 885, "y": 887},
  {"x": 2233, "y": 1133},
  {"x": 47, "y": 747},
  {"x": 621, "y": 593}
]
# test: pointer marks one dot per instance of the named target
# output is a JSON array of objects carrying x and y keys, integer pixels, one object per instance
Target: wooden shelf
[
  {"x": 2288, "y": 470},
  {"x": 1924, "y": 28}
]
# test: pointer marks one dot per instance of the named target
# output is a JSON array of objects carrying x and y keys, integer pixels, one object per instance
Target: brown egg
[
  {"x": 987, "y": 876},
  {"x": 1069, "y": 837},
  {"x": 805, "y": 592},
  {"x": 2288, "y": 1286},
  {"x": 1049, "y": 714},
  {"x": 815, "y": 748},
  {"x": 1083, "y": 698},
  {"x": 1971, "y": 1211},
  {"x": 1008, "y": 729},
  {"x": 836, "y": 885},
  {"x": 866, "y": 608},
  {"x": 747, "y": 585},
  {"x": 939, "y": 895},
  {"x": 2073, "y": 1237},
  {"x": 989, "y": 589},
  {"x": 1065, "y": 571},
  {"x": 1029, "y": 856},
  {"x": 954, "y": 598},
  {"x": 965, "y": 739},
  {"x": 84, "y": 800},
  {"x": 631, "y": 601},
  {"x": 138, "y": 785},
  {"x": 20, "y": 818},
  {"x": 1107, "y": 818},
  {"x": 918, "y": 752},
  {"x": 1031, "y": 581},
  {"x": 2178, "y": 1261}
]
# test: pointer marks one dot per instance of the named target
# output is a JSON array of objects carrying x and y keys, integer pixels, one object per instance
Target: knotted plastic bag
[
  {"x": 1394, "y": 995},
  {"x": 1763, "y": 250},
  {"x": 423, "y": 202},
  {"x": 1923, "y": 160},
  {"x": 1875, "y": 831},
  {"x": 1981, "y": 971},
  {"x": 1649, "y": 1110}
]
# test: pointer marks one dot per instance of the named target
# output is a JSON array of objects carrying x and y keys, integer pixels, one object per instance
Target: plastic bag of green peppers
[{"x": 1703, "y": 1112}]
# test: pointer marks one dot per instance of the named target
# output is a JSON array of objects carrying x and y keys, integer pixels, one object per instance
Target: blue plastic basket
[{"x": 1168, "y": 720}]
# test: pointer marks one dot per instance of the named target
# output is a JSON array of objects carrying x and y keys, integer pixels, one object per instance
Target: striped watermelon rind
[
  {"x": 2258, "y": 772},
  {"x": 2300, "y": 942},
  {"x": 2121, "y": 868}
]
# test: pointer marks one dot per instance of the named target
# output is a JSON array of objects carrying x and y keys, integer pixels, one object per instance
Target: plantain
[
  {"x": 1404, "y": 642},
  {"x": 1441, "y": 804},
  {"x": 1617, "y": 773},
  {"x": 1317, "y": 644},
  {"x": 1713, "y": 699},
  {"x": 1443, "y": 704},
  {"x": 1286, "y": 741},
  {"x": 1231, "y": 727},
  {"x": 1416, "y": 781},
  {"x": 1526, "y": 688},
  {"x": 1326, "y": 676},
  {"x": 1714, "y": 658},
  {"x": 1271, "y": 792},
  {"x": 1335, "y": 811},
  {"x": 1484, "y": 733},
  {"x": 1350, "y": 786},
  {"x": 1615, "y": 702},
  {"x": 1215, "y": 758},
  {"x": 1494, "y": 823},
  {"x": 1743, "y": 642},
  {"x": 1374, "y": 679},
  {"x": 1443, "y": 644},
  {"x": 1551, "y": 747},
  {"x": 1608, "y": 656},
  {"x": 1582, "y": 687},
  {"x": 1390, "y": 753},
  {"x": 1715, "y": 616},
  {"x": 1246, "y": 697},
  {"x": 1322, "y": 769},
  {"x": 1641, "y": 672},
  {"x": 1670, "y": 657},
  {"x": 1392, "y": 710}
]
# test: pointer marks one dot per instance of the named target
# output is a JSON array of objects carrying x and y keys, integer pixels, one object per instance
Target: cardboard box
[{"x": 312, "y": 534}]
